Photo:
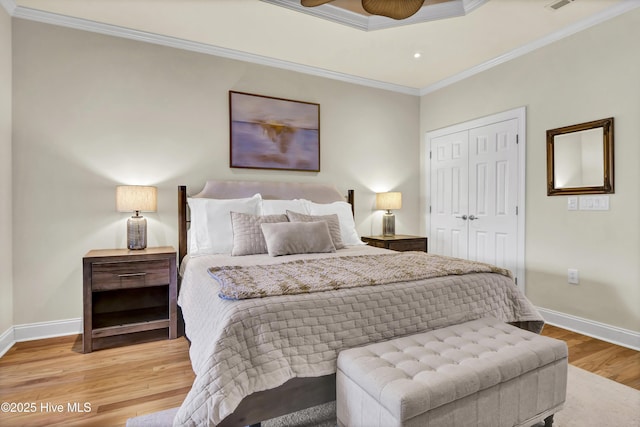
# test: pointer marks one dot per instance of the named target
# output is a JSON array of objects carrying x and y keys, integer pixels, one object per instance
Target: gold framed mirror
[{"x": 580, "y": 159}]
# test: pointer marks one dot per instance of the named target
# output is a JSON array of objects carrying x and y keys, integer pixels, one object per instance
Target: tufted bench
[{"x": 478, "y": 373}]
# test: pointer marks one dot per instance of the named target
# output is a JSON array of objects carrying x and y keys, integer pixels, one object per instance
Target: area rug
[{"x": 592, "y": 400}]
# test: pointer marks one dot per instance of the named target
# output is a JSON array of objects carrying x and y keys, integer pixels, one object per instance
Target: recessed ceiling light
[{"x": 417, "y": 55}]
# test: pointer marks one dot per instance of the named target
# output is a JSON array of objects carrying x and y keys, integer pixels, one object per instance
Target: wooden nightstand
[
  {"x": 129, "y": 296},
  {"x": 399, "y": 242}
]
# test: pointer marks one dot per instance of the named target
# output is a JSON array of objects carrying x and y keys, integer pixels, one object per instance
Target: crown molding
[
  {"x": 609, "y": 13},
  {"x": 208, "y": 49},
  {"x": 117, "y": 31},
  {"x": 9, "y": 6}
]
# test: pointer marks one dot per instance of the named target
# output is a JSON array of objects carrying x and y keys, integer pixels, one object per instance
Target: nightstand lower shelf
[{"x": 131, "y": 321}]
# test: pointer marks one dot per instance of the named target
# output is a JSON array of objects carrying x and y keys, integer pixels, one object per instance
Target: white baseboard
[
  {"x": 37, "y": 331},
  {"x": 56, "y": 328},
  {"x": 604, "y": 332},
  {"x": 6, "y": 341},
  {"x": 591, "y": 328}
]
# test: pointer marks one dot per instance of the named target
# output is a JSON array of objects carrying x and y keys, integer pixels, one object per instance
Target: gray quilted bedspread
[{"x": 241, "y": 347}]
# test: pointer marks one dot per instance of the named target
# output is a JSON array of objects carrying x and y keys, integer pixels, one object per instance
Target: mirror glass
[{"x": 580, "y": 158}]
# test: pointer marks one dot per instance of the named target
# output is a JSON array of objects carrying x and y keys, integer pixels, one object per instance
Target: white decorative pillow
[
  {"x": 332, "y": 222},
  {"x": 211, "y": 231},
  {"x": 277, "y": 207},
  {"x": 288, "y": 238},
  {"x": 247, "y": 234},
  {"x": 347, "y": 224}
]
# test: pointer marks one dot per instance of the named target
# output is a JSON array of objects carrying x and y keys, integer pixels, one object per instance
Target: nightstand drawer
[
  {"x": 133, "y": 274},
  {"x": 408, "y": 245}
]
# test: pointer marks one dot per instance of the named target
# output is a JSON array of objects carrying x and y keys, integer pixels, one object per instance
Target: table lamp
[
  {"x": 389, "y": 201},
  {"x": 136, "y": 198}
]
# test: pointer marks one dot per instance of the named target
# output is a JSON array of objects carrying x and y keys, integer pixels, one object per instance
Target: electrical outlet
[
  {"x": 572, "y": 276},
  {"x": 572, "y": 203}
]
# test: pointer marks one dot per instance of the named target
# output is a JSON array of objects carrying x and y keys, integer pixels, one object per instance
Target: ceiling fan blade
[
  {"x": 313, "y": 3},
  {"x": 395, "y": 9}
]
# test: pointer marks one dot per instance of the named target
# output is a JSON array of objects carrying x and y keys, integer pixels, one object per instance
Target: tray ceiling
[{"x": 351, "y": 12}]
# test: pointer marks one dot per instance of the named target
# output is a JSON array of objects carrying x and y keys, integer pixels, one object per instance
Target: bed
[{"x": 258, "y": 358}]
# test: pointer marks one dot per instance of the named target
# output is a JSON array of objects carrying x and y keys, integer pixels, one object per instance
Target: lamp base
[
  {"x": 136, "y": 232},
  {"x": 388, "y": 224}
]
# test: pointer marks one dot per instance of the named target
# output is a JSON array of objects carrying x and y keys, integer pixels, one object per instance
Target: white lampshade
[
  {"x": 389, "y": 201},
  {"x": 136, "y": 198}
]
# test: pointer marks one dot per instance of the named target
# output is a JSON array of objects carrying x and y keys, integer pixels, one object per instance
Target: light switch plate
[
  {"x": 594, "y": 203},
  {"x": 572, "y": 203}
]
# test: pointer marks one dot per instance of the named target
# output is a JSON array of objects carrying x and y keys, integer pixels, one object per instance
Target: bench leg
[{"x": 548, "y": 422}]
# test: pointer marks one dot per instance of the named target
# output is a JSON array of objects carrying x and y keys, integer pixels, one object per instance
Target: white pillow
[
  {"x": 345, "y": 216},
  {"x": 279, "y": 207},
  {"x": 211, "y": 231}
]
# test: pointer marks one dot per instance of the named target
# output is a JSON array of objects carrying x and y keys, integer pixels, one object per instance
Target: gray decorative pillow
[
  {"x": 288, "y": 238},
  {"x": 332, "y": 221},
  {"x": 247, "y": 234}
]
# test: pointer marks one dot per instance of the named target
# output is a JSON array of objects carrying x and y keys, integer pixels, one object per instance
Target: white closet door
[
  {"x": 450, "y": 195},
  {"x": 493, "y": 194}
]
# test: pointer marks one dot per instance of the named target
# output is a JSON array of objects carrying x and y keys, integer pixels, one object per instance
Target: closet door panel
[
  {"x": 493, "y": 162},
  {"x": 450, "y": 179}
]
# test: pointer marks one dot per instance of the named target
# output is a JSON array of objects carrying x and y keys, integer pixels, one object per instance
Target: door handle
[
  {"x": 472, "y": 217},
  {"x": 463, "y": 217}
]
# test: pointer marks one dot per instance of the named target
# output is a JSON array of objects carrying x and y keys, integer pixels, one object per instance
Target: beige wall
[
  {"x": 92, "y": 111},
  {"x": 590, "y": 75},
  {"x": 6, "y": 278}
]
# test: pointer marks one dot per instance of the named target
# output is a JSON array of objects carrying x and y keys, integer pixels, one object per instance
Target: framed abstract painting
[{"x": 273, "y": 133}]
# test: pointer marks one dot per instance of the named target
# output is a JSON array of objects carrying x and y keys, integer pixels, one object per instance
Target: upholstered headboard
[
  {"x": 319, "y": 193},
  {"x": 215, "y": 189}
]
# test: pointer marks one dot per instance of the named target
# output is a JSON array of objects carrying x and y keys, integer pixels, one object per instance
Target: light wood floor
[
  {"x": 611, "y": 361},
  {"x": 124, "y": 382}
]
